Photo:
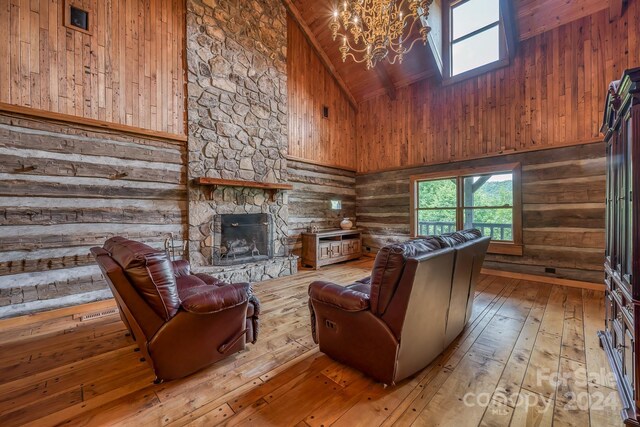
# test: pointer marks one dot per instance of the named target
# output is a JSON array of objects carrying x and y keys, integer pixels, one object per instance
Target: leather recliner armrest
[
  {"x": 339, "y": 296},
  {"x": 217, "y": 299},
  {"x": 366, "y": 280},
  {"x": 181, "y": 268}
]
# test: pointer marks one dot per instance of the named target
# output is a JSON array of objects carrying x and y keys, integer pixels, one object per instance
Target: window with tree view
[
  {"x": 482, "y": 199},
  {"x": 487, "y": 204}
]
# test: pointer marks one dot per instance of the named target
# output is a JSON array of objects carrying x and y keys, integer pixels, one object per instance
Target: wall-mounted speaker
[{"x": 77, "y": 16}]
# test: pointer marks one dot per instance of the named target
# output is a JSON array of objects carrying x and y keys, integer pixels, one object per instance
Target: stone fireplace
[
  {"x": 242, "y": 238},
  {"x": 237, "y": 123}
]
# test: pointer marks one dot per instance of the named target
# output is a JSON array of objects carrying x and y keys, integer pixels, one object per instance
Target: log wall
[
  {"x": 65, "y": 189},
  {"x": 563, "y": 194},
  {"x": 310, "y": 201}
]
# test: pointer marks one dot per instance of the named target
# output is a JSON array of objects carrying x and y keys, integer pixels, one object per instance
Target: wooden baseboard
[
  {"x": 40, "y": 316},
  {"x": 545, "y": 279}
]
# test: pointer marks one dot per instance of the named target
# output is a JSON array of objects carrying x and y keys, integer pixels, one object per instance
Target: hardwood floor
[{"x": 528, "y": 349}]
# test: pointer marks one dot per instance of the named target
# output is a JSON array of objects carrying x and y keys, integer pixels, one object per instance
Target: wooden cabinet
[
  {"x": 622, "y": 265},
  {"x": 331, "y": 246}
]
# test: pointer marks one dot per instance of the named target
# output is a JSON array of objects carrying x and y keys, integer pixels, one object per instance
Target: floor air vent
[{"x": 96, "y": 315}]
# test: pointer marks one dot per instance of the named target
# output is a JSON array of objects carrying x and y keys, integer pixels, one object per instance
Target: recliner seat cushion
[
  {"x": 150, "y": 272},
  {"x": 389, "y": 266}
]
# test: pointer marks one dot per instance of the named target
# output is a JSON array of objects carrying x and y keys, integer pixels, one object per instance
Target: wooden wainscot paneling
[
  {"x": 311, "y": 87},
  {"x": 128, "y": 69},
  {"x": 314, "y": 187},
  {"x": 65, "y": 189},
  {"x": 562, "y": 210},
  {"x": 550, "y": 96}
]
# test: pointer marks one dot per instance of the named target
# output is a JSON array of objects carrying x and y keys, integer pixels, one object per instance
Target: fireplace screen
[{"x": 241, "y": 238}]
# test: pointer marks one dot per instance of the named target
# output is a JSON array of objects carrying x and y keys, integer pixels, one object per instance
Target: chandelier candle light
[{"x": 373, "y": 30}]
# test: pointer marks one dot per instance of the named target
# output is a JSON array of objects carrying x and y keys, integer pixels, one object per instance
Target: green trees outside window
[{"x": 483, "y": 201}]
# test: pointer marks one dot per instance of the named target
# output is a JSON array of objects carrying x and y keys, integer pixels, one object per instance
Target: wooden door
[
  {"x": 324, "y": 251},
  {"x": 336, "y": 250}
]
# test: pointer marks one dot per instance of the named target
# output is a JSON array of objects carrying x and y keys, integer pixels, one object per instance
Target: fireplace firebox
[{"x": 241, "y": 238}]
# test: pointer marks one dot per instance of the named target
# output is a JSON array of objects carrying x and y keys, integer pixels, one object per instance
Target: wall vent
[{"x": 96, "y": 315}]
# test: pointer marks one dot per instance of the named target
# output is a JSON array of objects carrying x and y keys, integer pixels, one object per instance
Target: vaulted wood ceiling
[{"x": 533, "y": 17}]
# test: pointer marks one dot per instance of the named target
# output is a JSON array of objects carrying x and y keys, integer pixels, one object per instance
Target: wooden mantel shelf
[{"x": 271, "y": 188}]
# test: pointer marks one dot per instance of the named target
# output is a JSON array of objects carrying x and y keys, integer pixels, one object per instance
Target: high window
[
  {"x": 484, "y": 198},
  {"x": 476, "y": 40}
]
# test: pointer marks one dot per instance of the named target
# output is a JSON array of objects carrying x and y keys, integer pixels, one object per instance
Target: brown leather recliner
[
  {"x": 182, "y": 322},
  {"x": 417, "y": 300}
]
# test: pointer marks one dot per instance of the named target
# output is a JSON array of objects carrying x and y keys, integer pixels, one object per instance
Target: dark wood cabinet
[
  {"x": 331, "y": 246},
  {"x": 621, "y": 128}
]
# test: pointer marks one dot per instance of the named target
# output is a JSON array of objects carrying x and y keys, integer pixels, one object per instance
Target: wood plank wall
[
  {"x": 563, "y": 192},
  {"x": 310, "y": 86},
  {"x": 64, "y": 189},
  {"x": 310, "y": 201},
  {"x": 551, "y": 95},
  {"x": 128, "y": 71},
  {"x": 537, "y": 16}
]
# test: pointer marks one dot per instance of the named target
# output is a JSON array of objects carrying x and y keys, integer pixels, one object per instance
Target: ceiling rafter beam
[
  {"x": 615, "y": 9},
  {"x": 297, "y": 16},
  {"x": 385, "y": 79}
]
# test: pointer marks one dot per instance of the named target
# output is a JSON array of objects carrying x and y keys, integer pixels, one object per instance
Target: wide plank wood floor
[{"x": 529, "y": 356}]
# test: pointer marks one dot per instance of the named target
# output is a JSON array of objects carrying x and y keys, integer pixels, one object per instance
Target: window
[
  {"x": 484, "y": 198},
  {"x": 476, "y": 37}
]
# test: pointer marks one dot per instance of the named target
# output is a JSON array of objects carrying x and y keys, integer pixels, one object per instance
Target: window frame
[
  {"x": 505, "y": 30},
  {"x": 495, "y": 247}
]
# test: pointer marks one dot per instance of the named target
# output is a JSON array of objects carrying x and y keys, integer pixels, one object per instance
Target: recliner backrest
[
  {"x": 476, "y": 251},
  {"x": 450, "y": 240},
  {"x": 389, "y": 267},
  {"x": 468, "y": 263},
  {"x": 424, "y": 295},
  {"x": 136, "y": 311},
  {"x": 150, "y": 272}
]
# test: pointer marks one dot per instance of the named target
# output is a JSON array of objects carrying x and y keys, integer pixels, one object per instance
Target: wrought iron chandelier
[{"x": 374, "y": 30}]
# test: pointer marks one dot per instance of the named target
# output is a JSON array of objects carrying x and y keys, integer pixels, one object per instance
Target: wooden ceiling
[{"x": 533, "y": 17}]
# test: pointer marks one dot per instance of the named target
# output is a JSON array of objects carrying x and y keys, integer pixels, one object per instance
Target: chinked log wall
[
  {"x": 563, "y": 210},
  {"x": 310, "y": 201},
  {"x": 64, "y": 189}
]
